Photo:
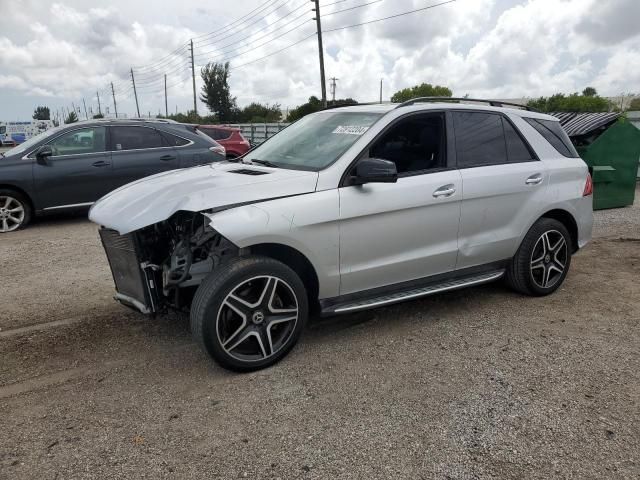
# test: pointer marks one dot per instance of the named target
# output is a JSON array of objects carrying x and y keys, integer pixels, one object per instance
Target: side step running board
[{"x": 414, "y": 293}]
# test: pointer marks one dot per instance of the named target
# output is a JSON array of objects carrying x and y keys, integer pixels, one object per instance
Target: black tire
[
  {"x": 16, "y": 199},
  {"x": 523, "y": 277},
  {"x": 229, "y": 282}
]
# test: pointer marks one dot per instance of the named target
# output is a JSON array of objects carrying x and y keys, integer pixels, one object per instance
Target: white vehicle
[{"x": 348, "y": 209}]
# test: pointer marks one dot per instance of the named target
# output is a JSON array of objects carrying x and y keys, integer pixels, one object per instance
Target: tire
[
  {"x": 544, "y": 251},
  {"x": 249, "y": 313},
  {"x": 15, "y": 211}
]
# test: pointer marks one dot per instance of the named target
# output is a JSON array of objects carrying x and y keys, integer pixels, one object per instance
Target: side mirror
[
  {"x": 44, "y": 152},
  {"x": 375, "y": 170}
]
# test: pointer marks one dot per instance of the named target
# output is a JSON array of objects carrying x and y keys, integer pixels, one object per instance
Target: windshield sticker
[{"x": 350, "y": 130}]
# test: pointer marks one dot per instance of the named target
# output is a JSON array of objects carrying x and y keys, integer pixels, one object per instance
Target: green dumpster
[{"x": 610, "y": 145}]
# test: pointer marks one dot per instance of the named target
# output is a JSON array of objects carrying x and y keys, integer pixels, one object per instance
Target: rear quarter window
[{"x": 553, "y": 133}]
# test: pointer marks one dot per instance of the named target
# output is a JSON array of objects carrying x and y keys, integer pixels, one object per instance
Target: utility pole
[
  {"x": 85, "y": 109},
  {"x": 380, "y": 90},
  {"x": 333, "y": 88},
  {"x": 115, "y": 106},
  {"x": 135, "y": 93},
  {"x": 320, "y": 52},
  {"x": 99, "y": 107},
  {"x": 166, "y": 106},
  {"x": 193, "y": 77}
]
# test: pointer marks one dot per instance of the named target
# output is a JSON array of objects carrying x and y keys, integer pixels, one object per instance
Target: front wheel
[
  {"x": 249, "y": 313},
  {"x": 542, "y": 262},
  {"x": 15, "y": 211}
]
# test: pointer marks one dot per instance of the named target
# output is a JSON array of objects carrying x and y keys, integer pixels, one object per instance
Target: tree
[
  {"x": 98, "y": 115},
  {"x": 422, "y": 90},
  {"x": 589, "y": 101},
  {"x": 315, "y": 105},
  {"x": 41, "y": 113},
  {"x": 635, "y": 104},
  {"x": 215, "y": 91},
  {"x": 256, "y": 112},
  {"x": 589, "y": 92},
  {"x": 71, "y": 118}
]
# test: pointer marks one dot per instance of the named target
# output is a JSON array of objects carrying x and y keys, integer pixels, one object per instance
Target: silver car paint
[{"x": 356, "y": 240}]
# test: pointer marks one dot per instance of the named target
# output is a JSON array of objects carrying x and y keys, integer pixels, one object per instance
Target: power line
[
  {"x": 235, "y": 21},
  {"x": 351, "y": 8},
  {"x": 389, "y": 17},
  {"x": 274, "y": 53}
]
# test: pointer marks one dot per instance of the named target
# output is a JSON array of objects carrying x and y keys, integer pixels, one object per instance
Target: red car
[{"x": 229, "y": 137}]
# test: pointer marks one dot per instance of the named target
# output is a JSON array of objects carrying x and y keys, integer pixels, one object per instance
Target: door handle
[
  {"x": 444, "y": 191},
  {"x": 534, "y": 179},
  {"x": 166, "y": 158},
  {"x": 100, "y": 163}
]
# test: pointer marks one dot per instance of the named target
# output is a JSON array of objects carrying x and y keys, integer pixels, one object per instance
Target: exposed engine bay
[{"x": 160, "y": 266}]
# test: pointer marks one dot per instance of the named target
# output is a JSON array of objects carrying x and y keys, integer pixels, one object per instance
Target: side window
[
  {"x": 217, "y": 134},
  {"x": 414, "y": 144},
  {"x": 479, "y": 139},
  {"x": 175, "y": 141},
  {"x": 517, "y": 150},
  {"x": 553, "y": 132},
  {"x": 136, "y": 138},
  {"x": 76, "y": 142}
]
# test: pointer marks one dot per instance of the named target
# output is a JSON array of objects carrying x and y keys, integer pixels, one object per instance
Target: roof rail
[{"x": 493, "y": 103}]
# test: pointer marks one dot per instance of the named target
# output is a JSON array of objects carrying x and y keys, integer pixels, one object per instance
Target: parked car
[
  {"x": 71, "y": 166},
  {"x": 229, "y": 137},
  {"x": 349, "y": 209}
]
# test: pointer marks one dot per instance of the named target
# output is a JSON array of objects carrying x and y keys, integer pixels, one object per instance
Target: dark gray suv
[{"x": 72, "y": 166}]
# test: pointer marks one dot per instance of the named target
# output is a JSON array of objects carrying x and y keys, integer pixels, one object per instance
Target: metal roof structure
[{"x": 576, "y": 124}]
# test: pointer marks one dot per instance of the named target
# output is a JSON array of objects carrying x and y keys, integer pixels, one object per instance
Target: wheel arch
[
  {"x": 568, "y": 220},
  {"x": 295, "y": 260},
  {"x": 21, "y": 191}
]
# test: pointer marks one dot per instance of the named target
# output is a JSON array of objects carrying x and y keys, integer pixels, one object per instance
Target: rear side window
[
  {"x": 216, "y": 133},
  {"x": 517, "y": 150},
  {"x": 553, "y": 133},
  {"x": 136, "y": 138},
  {"x": 176, "y": 141},
  {"x": 479, "y": 139}
]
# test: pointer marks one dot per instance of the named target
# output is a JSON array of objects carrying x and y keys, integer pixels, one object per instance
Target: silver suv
[{"x": 349, "y": 209}]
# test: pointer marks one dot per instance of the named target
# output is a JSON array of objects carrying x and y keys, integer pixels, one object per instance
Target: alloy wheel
[
  {"x": 549, "y": 259},
  {"x": 257, "y": 318},
  {"x": 11, "y": 213}
]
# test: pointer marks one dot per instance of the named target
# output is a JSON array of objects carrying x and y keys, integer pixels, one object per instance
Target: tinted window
[
  {"x": 175, "y": 141},
  {"x": 517, "y": 150},
  {"x": 135, "y": 138},
  {"x": 217, "y": 134},
  {"x": 479, "y": 139},
  {"x": 413, "y": 144},
  {"x": 553, "y": 132},
  {"x": 84, "y": 140}
]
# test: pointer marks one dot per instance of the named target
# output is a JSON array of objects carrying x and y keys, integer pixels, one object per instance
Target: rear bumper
[
  {"x": 584, "y": 219},
  {"x": 134, "y": 280}
]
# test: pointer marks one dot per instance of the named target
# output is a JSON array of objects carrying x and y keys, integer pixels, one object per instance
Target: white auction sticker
[{"x": 350, "y": 130}]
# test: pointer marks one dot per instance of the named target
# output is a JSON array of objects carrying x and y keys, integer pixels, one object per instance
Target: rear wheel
[
  {"x": 542, "y": 262},
  {"x": 249, "y": 313},
  {"x": 15, "y": 211}
]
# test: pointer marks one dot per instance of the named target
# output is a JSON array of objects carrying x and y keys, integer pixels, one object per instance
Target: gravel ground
[{"x": 480, "y": 383}]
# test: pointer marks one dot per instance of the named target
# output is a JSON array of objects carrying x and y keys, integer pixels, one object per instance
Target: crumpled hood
[{"x": 155, "y": 198}]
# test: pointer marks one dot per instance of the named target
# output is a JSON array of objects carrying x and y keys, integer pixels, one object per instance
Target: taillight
[
  {"x": 588, "y": 187},
  {"x": 218, "y": 149}
]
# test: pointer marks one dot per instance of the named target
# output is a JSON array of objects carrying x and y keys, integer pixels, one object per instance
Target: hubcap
[
  {"x": 11, "y": 213},
  {"x": 257, "y": 318},
  {"x": 549, "y": 259}
]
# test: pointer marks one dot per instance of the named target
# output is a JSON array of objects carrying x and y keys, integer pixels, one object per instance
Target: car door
[
  {"x": 397, "y": 232},
  {"x": 78, "y": 172},
  {"x": 138, "y": 151},
  {"x": 503, "y": 185}
]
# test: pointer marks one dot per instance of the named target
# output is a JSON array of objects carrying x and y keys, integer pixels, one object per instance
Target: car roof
[
  {"x": 221, "y": 127},
  {"x": 419, "y": 106}
]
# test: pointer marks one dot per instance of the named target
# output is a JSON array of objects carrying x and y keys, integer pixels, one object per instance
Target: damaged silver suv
[{"x": 349, "y": 209}]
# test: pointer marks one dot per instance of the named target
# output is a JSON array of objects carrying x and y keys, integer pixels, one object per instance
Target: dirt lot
[{"x": 480, "y": 383}]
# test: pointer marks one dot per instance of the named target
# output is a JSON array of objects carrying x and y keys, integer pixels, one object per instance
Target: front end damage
[{"x": 160, "y": 266}]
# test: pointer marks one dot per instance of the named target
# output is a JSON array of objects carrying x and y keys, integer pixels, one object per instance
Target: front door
[
  {"x": 140, "y": 151},
  {"x": 396, "y": 232},
  {"x": 77, "y": 174}
]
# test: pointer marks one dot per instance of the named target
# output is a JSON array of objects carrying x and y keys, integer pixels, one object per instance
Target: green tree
[
  {"x": 41, "y": 113},
  {"x": 422, "y": 90},
  {"x": 635, "y": 104},
  {"x": 256, "y": 112},
  {"x": 315, "y": 105},
  {"x": 216, "y": 92},
  {"x": 589, "y": 101},
  {"x": 589, "y": 92},
  {"x": 71, "y": 118}
]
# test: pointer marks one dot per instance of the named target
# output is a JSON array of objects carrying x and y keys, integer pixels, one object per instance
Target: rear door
[
  {"x": 79, "y": 171},
  {"x": 503, "y": 185},
  {"x": 138, "y": 151}
]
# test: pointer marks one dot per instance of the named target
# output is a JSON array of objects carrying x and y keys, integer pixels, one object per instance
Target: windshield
[
  {"x": 23, "y": 147},
  {"x": 315, "y": 141}
]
